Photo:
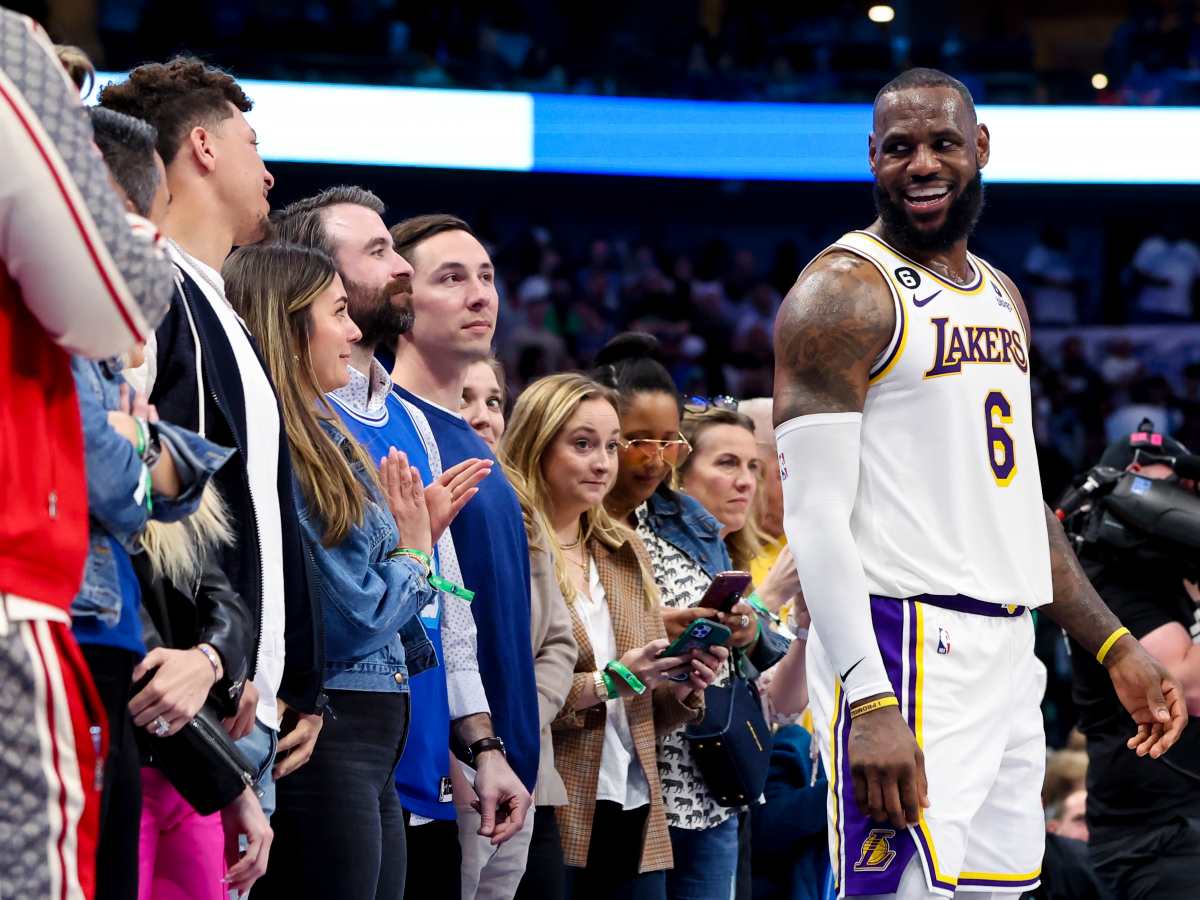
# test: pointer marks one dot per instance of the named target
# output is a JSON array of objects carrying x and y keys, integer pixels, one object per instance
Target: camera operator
[{"x": 1143, "y": 814}]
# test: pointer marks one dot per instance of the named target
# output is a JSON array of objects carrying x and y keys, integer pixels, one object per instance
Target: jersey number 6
[{"x": 997, "y": 412}]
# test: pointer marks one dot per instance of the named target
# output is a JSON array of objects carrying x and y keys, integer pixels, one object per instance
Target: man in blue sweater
[
  {"x": 454, "y": 307},
  {"x": 346, "y": 222}
]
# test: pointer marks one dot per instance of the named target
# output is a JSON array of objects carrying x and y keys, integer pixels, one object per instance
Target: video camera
[{"x": 1114, "y": 513}]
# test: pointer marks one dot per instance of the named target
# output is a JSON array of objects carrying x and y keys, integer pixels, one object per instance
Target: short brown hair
[
  {"x": 303, "y": 222},
  {"x": 410, "y": 233},
  {"x": 175, "y": 97}
]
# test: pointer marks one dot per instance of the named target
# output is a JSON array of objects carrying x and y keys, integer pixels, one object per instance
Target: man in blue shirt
[
  {"x": 345, "y": 222},
  {"x": 454, "y": 308}
]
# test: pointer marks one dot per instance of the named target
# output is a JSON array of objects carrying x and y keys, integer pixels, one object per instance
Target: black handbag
[
  {"x": 201, "y": 762},
  {"x": 732, "y": 743}
]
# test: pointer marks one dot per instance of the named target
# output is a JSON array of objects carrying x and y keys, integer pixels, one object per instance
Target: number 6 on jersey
[{"x": 997, "y": 412}]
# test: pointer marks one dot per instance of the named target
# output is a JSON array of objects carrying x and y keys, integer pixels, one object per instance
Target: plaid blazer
[{"x": 579, "y": 734}]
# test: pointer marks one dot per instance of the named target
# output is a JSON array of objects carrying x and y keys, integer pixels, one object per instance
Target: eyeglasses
[
  {"x": 641, "y": 451},
  {"x": 699, "y": 405}
]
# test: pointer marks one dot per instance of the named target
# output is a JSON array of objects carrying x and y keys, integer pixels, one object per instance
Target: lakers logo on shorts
[{"x": 877, "y": 853}]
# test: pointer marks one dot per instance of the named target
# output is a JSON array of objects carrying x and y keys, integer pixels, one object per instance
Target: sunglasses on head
[{"x": 698, "y": 405}]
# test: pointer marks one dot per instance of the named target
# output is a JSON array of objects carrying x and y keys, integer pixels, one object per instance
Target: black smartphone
[{"x": 725, "y": 591}]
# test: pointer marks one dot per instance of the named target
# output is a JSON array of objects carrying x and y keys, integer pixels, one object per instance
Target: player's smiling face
[{"x": 926, "y": 153}]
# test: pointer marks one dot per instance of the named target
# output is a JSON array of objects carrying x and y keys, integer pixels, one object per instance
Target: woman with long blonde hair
[
  {"x": 339, "y": 829},
  {"x": 560, "y": 453}
]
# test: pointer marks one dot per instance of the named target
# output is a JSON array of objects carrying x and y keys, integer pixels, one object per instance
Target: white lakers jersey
[{"x": 949, "y": 499}]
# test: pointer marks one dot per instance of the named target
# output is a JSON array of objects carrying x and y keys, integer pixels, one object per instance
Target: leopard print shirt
[{"x": 686, "y": 798}]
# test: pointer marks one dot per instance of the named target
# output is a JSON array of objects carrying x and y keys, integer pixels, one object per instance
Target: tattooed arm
[
  {"x": 1147, "y": 690},
  {"x": 1152, "y": 696},
  {"x": 834, "y": 322},
  {"x": 832, "y": 327}
]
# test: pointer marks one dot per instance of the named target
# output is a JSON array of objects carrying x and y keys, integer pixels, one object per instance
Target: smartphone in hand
[
  {"x": 725, "y": 591},
  {"x": 699, "y": 635}
]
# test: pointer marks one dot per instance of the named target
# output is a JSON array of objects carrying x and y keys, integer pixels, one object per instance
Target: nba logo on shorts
[
  {"x": 943, "y": 641},
  {"x": 877, "y": 853},
  {"x": 782, "y": 467}
]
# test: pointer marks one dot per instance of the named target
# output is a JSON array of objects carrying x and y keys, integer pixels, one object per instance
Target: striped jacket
[
  {"x": 76, "y": 276},
  {"x": 579, "y": 734}
]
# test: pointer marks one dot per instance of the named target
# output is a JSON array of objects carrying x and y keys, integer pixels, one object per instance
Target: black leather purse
[
  {"x": 732, "y": 743},
  {"x": 201, "y": 762}
]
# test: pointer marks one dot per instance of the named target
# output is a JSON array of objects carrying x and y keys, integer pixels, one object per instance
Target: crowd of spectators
[{"x": 829, "y": 52}]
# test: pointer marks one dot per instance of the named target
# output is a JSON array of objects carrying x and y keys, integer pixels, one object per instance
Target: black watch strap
[{"x": 482, "y": 746}]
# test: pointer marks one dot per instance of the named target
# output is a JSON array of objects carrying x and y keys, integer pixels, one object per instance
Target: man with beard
[
  {"x": 902, "y": 386},
  {"x": 448, "y": 696}
]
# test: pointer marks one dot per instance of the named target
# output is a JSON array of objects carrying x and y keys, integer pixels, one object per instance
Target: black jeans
[
  {"x": 339, "y": 828},
  {"x": 1155, "y": 862},
  {"x": 545, "y": 872},
  {"x": 438, "y": 869},
  {"x": 613, "y": 859},
  {"x": 121, "y": 800}
]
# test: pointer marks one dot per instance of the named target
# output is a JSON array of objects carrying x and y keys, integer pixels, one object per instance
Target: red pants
[{"x": 53, "y": 740}]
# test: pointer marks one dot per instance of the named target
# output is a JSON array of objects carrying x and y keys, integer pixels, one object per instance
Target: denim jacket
[
  {"x": 683, "y": 520},
  {"x": 373, "y": 637},
  {"x": 115, "y": 482}
]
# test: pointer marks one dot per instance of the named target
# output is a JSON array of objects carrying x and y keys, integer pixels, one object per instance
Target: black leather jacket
[
  {"x": 208, "y": 613},
  {"x": 191, "y": 329}
]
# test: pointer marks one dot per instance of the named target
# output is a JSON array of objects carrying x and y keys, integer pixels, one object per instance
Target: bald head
[
  {"x": 770, "y": 511},
  {"x": 913, "y": 79},
  {"x": 759, "y": 411}
]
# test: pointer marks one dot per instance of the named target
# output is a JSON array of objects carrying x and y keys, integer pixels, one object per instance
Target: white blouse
[{"x": 621, "y": 777}]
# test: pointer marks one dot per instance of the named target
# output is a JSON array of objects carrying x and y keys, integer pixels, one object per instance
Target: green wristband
[
  {"x": 438, "y": 583},
  {"x": 619, "y": 669},
  {"x": 609, "y": 685},
  {"x": 140, "y": 427},
  {"x": 414, "y": 553}
]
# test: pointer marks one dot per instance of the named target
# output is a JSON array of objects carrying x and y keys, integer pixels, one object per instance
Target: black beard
[
  {"x": 964, "y": 212},
  {"x": 376, "y": 315}
]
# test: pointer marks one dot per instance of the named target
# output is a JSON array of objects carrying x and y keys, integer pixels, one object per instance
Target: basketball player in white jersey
[{"x": 914, "y": 512}]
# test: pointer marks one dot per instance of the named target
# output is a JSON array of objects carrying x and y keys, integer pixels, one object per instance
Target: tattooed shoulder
[{"x": 834, "y": 322}]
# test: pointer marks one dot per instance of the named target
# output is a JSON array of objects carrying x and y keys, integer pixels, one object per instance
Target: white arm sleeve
[{"x": 819, "y": 461}]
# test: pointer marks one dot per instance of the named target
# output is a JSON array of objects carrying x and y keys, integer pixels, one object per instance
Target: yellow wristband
[
  {"x": 1108, "y": 644},
  {"x": 871, "y": 705}
]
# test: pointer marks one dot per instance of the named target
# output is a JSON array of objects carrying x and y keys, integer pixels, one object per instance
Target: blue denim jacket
[
  {"x": 115, "y": 477},
  {"x": 373, "y": 637},
  {"x": 683, "y": 520}
]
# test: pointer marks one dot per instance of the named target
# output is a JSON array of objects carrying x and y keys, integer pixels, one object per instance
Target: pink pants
[{"x": 181, "y": 854}]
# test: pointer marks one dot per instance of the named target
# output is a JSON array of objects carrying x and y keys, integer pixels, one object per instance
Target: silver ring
[
  {"x": 745, "y": 620},
  {"x": 161, "y": 726}
]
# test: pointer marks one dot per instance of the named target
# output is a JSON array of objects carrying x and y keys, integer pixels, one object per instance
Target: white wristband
[{"x": 213, "y": 659}]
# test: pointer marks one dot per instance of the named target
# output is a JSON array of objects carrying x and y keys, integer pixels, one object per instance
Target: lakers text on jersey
[
  {"x": 950, "y": 526},
  {"x": 949, "y": 499}
]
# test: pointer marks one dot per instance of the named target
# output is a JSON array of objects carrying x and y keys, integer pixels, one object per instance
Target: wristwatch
[{"x": 482, "y": 746}]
